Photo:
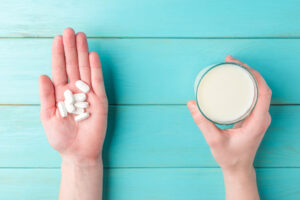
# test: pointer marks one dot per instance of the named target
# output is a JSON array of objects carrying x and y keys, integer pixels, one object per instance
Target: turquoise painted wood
[
  {"x": 153, "y": 71},
  {"x": 160, "y": 183},
  {"x": 151, "y": 52},
  {"x": 156, "y": 18},
  {"x": 145, "y": 136}
]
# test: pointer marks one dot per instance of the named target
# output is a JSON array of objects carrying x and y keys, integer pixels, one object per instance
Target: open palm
[{"x": 71, "y": 61}]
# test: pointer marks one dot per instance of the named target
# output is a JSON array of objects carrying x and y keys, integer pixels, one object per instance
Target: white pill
[
  {"x": 78, "y": 111},
  {"x": 82, "y": 86},
  {"x": 70, "y": 107},
  {"x": 62, "y": 109},
  {"x": 68, "y": 96},
  {"x": 79, "y": 97},
  {"x": 83, "y": 104},
  {"x": 82, "y": 116}
]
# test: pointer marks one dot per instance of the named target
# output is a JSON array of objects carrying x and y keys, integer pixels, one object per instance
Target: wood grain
[
  {"x": 152, "y": 71},
  {"x": 161, "y": 183},
  {"x": 151, "y": 52},
  {"x": 145, "y": 136},
  {"x": 156, "y": 18}
]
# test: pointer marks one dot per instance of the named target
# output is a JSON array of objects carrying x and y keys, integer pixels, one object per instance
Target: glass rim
[{"x": 252, "y": 105}]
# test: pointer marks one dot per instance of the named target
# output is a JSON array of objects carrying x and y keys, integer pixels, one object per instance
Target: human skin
[
  {"x": 234, "y": 149},
  {"x": 78, "y": 143}
]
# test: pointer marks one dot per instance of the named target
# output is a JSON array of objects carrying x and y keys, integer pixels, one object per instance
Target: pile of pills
[{"x": 75, "y": 103}]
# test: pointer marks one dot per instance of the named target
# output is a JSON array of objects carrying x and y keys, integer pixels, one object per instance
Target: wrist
[
  {"x": 81, "y": 178},
  {"x": 240, "y": 183},
  {"x": 82, "y": 162},
  {"x": 242, "y": 174}
]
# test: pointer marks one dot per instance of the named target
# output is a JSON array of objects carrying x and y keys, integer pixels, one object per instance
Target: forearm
[
  {"x": 81, "y": 180},
  {"x": 241, "y": 184}
]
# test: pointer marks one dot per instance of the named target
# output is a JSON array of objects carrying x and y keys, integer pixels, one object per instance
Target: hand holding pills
[
  {"x": 74, "y": 114},
  {"x": 73, "y": 104}
]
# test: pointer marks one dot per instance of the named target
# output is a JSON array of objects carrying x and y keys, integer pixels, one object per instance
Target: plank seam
[
  {"x": 292, "y": 104},
  {"x": 161, "y": 38},
  {"x": 149, "y": 167}
]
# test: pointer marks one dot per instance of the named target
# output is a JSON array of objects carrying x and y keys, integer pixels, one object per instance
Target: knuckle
[
  {"x": 71, "y": 63},
  {"x": 266, "y": 124},
  {"x": 255, "y": 72},
  {"x": 84, "y": 67},
  {"x": 269, "y": 91},
  {"x": 247, "y": 66},
  {"x": 213, "y": 142},
  {"x": 98, "y": 80},
  {"x": 269, "y": 119},
  {"x": 104, "y": 100}
]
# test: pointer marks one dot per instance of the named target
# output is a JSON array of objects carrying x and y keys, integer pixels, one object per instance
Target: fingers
[
  {"x": 264, "y": 89},
  {"x": 210, "y": 131},
  {"x": 260, "y": 115},
  {"x": 84, "y": 66},
  {"x": 229, "y": 58},
  {"x": 83, "y": 58},
  {"x": 96, "y": 74},
  {"x": 264, "y": 95},
  {"x": 70, "y": 49},
  {"x": 59, "y": 73},
  {"x": 238, "y": 125},
  {"x": 47, "y": 97}
]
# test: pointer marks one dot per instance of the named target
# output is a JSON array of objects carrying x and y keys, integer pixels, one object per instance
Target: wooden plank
[
  {"x": 161, "y": 183},
  {"x": 152, "y": 71},
  {"x": 168, "y": 18},
  {"x": 144, "y": 136}
]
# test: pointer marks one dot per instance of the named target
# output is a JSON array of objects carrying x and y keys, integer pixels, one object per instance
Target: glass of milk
[{"x": 226, "y": 93}]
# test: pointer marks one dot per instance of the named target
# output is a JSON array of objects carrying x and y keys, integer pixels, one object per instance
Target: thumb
[
  {"x": 47, "y": 97},
  {"x": 229, "y": 58},
  {"x": 210, "y": 131}
]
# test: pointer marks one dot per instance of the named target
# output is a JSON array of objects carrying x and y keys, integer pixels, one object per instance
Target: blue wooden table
[{"x": 151, "y": 52}]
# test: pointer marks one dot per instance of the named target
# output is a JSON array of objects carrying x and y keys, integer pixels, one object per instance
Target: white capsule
[
  {"x": 68, "y": 96},
  {"x": 82, "y": 86},
  {"x": 78, "y": 111},
  {"x": 83, "y": 104},
  {"x": 79, "y": 97},
  {"x": 62, "y": 109},
  {"x": 82, "y": 116},
  {"x": 70, "y": 107}
]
